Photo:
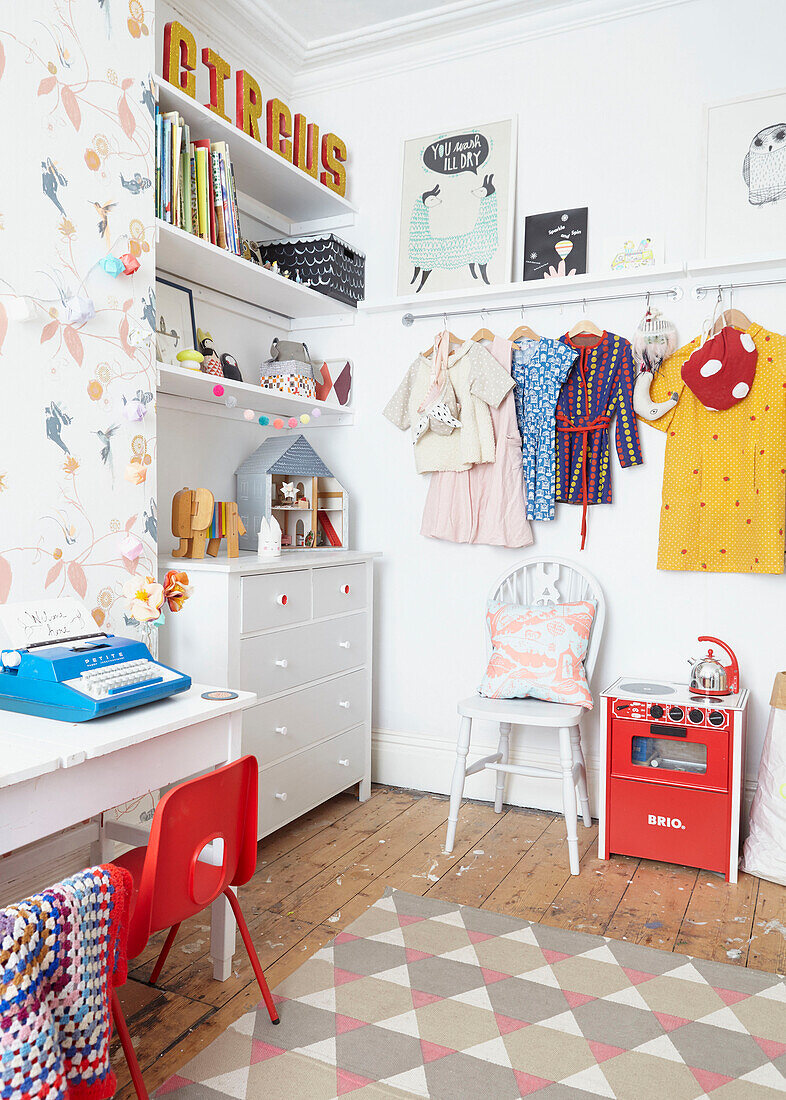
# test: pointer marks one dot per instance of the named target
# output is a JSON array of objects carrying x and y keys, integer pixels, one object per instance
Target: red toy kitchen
[{"x": 672, "y": 760}]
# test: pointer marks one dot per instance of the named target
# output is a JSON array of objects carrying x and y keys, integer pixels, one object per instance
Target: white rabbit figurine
[{"x": 269, "y": 539}]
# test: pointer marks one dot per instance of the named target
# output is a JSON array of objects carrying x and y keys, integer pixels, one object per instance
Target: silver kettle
[{"x": 710, "y": 677}]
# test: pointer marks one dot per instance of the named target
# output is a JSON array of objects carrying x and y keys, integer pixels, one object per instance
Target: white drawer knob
[
  {"x": 344, "y": 763},
  {"x": 283, "y": 663},
  {"x": 344, "y": 589},
  {"x": 282, "y": 599},
  {"x": 281, "y": 795},
  {"x": 345, "y": 645},
  {"x": 344, "y": 703},
  {"x": 282, "y": 730}
]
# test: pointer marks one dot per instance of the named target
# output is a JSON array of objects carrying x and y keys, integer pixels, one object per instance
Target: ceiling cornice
[
  {"x": 479, "y": 28},
  {"x": 256, "y": 31}
]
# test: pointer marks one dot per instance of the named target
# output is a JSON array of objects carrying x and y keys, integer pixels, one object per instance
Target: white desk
[{"x": 54, "y": 775}]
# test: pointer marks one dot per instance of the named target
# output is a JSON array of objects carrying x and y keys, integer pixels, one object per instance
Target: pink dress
[{"x": 487, "y": 503}]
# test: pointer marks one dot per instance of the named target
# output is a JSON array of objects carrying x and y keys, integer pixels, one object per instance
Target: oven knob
[
  {"x": 696, "y": 715},
  {"x": 656, "y": 711},
  {"x": 676, "y": 714},
  {"x": 716, "y": 717}
]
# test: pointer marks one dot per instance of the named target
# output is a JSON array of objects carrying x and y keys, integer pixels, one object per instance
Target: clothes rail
[
  {"x": 674, "y": 293},
  {"x": 700, "y": 292}
]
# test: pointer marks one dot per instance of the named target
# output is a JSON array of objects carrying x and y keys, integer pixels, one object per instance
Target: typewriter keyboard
[{"x": 100, "y": 682}]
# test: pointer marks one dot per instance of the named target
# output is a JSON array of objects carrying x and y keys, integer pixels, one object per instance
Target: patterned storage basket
[
  {"x": 288, "y": 376},
  {"x": 327, "y": 264}
]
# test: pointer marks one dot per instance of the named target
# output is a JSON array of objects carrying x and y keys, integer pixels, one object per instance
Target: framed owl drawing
[{"x": 745, "y": 178}]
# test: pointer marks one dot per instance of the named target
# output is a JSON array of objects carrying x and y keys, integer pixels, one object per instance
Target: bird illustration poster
[
  {"x": 555, "y": 244},
  {"x": 457, "y": 199},
  {"x": 745, "y": 177}
]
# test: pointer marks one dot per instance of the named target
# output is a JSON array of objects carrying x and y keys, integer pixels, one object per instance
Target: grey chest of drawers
[{"x": 298, "y": 631}]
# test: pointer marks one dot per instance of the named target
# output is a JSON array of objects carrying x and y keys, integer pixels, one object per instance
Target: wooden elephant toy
[{"x": 200, "y": 522}]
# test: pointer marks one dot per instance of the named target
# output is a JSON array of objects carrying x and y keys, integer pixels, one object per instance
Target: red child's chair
[{"x": 170, "y": 881}]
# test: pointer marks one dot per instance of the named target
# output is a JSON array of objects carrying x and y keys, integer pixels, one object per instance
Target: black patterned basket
[{"x": 327, "y": 264}]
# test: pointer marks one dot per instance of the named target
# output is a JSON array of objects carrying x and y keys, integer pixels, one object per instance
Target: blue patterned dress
[{"x": 539, "y": 369}]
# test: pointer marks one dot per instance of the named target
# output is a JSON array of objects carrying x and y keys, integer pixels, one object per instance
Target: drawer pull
[
  {"x": 283, "y": 663},
  {"x": 282, "y": 730},
  {"x": 344, "y": 703},
  {"x": 345, "y": 645},
  {"x": 282, "y": 600},
  {"x": 344, "y": 763},
  {"x": 344, "y": 589},
  {"x": 281, "y": 796}
]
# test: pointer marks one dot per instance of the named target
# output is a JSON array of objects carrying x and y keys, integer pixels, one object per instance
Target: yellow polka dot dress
[{"x": 724, "y": 480}]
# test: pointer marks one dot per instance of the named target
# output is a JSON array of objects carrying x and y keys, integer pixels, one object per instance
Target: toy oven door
[{"x": 682, "y": 756}]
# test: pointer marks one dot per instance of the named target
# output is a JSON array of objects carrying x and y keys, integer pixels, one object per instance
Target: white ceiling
[
  {"x": 308, "y": 45},
  {"x": 315, "y": 19}
]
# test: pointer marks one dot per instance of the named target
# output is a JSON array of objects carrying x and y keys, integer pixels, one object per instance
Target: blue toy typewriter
[{"x": 73, "y": 677}]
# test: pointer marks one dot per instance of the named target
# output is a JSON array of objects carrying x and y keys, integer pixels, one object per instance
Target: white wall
[{"x": 611, "y": 116}]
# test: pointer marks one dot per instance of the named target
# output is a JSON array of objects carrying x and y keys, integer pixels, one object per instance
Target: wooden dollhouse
[{"x": 286, "y": 478}]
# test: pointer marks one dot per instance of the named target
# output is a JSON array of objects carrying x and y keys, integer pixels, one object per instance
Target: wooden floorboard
[{"x": 317, "y": 875}]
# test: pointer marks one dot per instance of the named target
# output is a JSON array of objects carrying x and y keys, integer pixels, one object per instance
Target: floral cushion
[{"x": 539, "y": 652}]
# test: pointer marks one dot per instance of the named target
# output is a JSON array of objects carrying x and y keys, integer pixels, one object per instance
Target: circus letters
[{"x": 296, "y": 141}]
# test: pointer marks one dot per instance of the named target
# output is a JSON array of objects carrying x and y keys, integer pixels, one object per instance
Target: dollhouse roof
[{"x": 284, "y": 455}]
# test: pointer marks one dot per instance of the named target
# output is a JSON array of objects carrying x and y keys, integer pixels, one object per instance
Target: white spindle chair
[{"x": 535, "y": 581}]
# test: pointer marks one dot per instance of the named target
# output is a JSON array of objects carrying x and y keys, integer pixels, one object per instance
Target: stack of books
[{"x": 195, "y": 184}]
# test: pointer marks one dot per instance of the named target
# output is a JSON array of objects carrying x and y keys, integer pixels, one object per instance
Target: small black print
[{"x": 555, "y": 244}]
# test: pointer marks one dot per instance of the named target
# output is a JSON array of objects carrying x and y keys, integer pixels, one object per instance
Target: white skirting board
[{"x": 421, "y": 763}]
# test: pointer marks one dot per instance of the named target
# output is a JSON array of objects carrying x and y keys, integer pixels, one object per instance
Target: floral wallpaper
[{"x": 77, "y": 447}]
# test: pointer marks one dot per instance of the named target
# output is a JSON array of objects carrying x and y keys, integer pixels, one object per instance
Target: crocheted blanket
[{"x": 61, "y": 952}]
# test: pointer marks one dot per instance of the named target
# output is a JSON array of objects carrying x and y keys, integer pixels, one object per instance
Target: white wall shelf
[
  {"x": 706, "y": 268},
  {"x": 538, "y": 290},
  {"x": 261, "y": 174},
  {"x": 192, "y": 391},
  {"x": 188, "y": 257}
]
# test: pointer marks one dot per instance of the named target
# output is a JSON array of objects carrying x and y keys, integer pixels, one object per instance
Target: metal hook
[
  {"x": 584, "y": 304},
  {"x": 647, "y": 306},
  {"x": 445, "y": 321}
]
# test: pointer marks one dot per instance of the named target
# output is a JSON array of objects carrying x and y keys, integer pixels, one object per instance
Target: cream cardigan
[{"x": 479, "y": 380}]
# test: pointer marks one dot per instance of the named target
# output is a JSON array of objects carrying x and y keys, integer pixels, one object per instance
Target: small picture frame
[
  {"x": 175, "y": 320},
  {"x": 336, "y": 385}
]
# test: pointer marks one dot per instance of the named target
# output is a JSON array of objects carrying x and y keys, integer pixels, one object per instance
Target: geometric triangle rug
[{"x": 423, "y": 997}]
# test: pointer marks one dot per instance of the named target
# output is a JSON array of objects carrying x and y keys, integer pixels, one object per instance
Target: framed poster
[
  {"x": 457, "y": 198},
  {"x": 745, "y": 177},
  {"x": 175, "y": 322},
  {"x": 555, "y": 244}
]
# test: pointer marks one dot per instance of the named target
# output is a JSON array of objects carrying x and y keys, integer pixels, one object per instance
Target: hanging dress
[
  {"x": 599, "y": 385},
  {"x": 539, "y": 369},
  {"x": 724, "y": 477},
  {"x": 486, "y": 504},
  {"x": 478, "y": 381}
]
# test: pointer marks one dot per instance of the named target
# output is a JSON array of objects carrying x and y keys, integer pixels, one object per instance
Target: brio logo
[{"x": 665, "y": 822}]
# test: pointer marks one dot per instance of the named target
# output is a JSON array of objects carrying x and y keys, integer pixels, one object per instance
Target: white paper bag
[{"x": 764, "y": 853}]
